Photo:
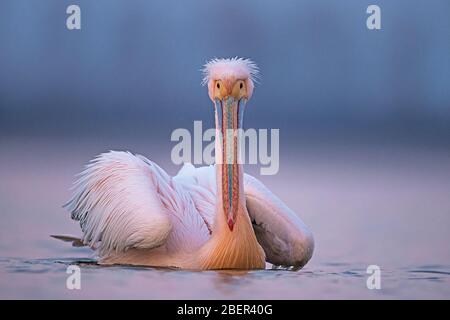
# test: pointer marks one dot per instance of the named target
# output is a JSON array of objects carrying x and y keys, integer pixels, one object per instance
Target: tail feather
[{"x": 76, "y": 242}]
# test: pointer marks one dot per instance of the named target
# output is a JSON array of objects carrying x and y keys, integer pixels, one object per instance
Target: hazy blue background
[
  {"x": 364, "y": 119},
  {"x": 137, "y": 61}
]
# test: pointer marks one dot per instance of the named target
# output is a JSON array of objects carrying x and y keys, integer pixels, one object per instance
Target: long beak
[{"x": 230, "y": 114}]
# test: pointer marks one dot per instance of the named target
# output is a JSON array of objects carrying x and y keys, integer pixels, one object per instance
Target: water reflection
[{"x": 144, "y": 282}]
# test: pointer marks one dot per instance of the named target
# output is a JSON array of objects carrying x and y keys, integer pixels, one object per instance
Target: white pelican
[{"x": 215, "y": 217}]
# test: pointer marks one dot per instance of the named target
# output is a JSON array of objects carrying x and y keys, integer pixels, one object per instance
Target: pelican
[{"x": 208, "y": 218}]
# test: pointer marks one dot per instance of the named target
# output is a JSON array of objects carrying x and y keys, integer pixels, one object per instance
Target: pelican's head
[
  {"x": 232, "y": 77},
  {"x": 230, "y": 85}
]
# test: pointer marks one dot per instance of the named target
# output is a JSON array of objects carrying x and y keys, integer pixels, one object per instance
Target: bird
[{"x": 214, "y": 217}]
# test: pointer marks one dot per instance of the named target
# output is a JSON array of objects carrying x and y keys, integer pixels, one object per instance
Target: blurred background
[{"x": 364, "y": 116}]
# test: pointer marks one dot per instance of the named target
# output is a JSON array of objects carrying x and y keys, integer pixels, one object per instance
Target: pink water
[{"x": 380, "y": 205}]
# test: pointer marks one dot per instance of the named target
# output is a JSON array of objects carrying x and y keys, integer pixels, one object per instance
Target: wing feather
[
  {"x": 122, "y": 201},
  {"x": 284, "y": 237}
]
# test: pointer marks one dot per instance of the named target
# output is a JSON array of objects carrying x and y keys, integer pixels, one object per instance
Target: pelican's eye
[
  {"x": 239, "y": 89},
  {"x": 219, "y": 90}
]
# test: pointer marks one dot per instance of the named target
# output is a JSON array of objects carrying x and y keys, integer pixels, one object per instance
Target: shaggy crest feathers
[{"x": 239, "y": 67}]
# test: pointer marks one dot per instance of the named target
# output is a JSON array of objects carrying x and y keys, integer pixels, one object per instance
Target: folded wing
[{"x": 284, "y": 237}]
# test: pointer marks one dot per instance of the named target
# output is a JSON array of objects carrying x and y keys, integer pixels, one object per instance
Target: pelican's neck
[
  {"x": 237, "y": 199},
  {"x": 236, "y": 247},
  {"x": 229, "y": 195}
]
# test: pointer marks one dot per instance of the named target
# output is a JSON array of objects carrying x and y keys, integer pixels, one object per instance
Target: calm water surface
[
  {"x": 379, "y": 205},
  {"x": 45, "y": 278}
]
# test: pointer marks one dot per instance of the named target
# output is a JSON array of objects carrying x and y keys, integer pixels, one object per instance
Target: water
[
  {"x": 45, "y": 278},
  {"x": 382, "y": 205}
]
